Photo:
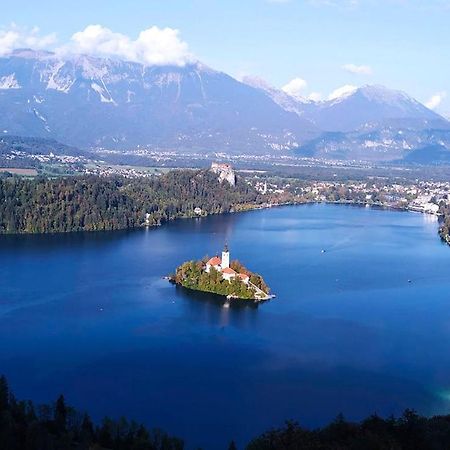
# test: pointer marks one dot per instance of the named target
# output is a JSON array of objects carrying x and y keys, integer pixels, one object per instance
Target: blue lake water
[{"x": 88, "y": 315}]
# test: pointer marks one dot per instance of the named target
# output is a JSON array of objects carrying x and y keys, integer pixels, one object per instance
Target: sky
[{"x": 311, "y": 48}]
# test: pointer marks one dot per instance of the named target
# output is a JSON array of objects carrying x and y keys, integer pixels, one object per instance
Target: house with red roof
[
  {"x": 244, "y": 277},
  {"x": 215, "y": 262},
  {"x": 228, "y": 273},
  {"x": 218, "y": 263}
]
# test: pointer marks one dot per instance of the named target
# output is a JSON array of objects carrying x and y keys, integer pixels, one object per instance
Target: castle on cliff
[{"x": 225, "y": 172}]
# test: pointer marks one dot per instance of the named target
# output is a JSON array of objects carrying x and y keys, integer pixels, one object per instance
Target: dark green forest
[
  {"x": 89, "y": 203},
  {"x": 24, "y": 426},
  {"x": 408, "y": 432},
  {"x": 58, "y": 426}
]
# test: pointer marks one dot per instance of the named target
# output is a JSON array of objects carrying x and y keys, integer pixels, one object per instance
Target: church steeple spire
[{"x": 225, "y": 257}]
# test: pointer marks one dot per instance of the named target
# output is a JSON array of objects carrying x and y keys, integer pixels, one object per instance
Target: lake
[{"x": 363, "y": 327}]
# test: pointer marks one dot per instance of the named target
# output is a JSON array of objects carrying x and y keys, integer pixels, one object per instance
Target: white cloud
[
  {"x": 342, "y": 92},
  {"x": 315, "y": 96},
  {"x": 357, "y": 70},
  {"x": 335, "y": 3},
  {"x": 14, "y": 37},
  {"x": 436, "y": 100},
  {"x": 295, "y": 87},
  {"x": 153, "y": 46}
]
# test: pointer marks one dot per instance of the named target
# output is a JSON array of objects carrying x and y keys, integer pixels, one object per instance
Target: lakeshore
[{"x": 119, "y": 203}]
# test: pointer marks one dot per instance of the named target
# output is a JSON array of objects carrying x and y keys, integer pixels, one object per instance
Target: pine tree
[
  {"x": 4, "y": 394},
  {"x": 60, "y": 415}
]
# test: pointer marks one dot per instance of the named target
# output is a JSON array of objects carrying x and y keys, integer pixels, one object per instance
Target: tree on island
[{"x": 192, "y": 275}]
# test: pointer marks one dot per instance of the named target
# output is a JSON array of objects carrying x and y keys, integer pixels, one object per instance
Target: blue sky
[{"x": 402, "y": 44}]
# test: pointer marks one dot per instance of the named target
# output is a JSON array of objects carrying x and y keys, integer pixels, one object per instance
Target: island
[{"x": 222, "y": 277}]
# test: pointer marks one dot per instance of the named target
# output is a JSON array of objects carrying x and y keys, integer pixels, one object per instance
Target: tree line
[
  {"x": 90, "y": 203},
  {"x": 58, "y": 426}
]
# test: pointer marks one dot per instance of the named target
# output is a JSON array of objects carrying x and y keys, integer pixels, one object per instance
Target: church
[{"x": 222, "y": 265}]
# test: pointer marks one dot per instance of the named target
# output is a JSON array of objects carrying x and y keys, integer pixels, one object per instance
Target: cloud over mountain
[
  {"x": 153, "y": 46},
  {"x": 13, "y": 37},
  {"x": 295, "y": 87},
  {"x": 436, "y": 100},
  {"x": 342, "y": 92}
]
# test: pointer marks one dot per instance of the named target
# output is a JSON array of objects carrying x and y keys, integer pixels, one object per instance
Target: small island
[{"x": 219, "y": 276}]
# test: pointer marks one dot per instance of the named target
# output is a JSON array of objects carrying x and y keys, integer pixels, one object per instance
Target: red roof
[
  {"x": 229, "y": 271},
  {"x": 244, "y": 276},
  {"x": 215, "y": 261}
]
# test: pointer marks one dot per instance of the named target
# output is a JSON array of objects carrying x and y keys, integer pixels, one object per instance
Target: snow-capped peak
[{"x": 382, "y": 94}]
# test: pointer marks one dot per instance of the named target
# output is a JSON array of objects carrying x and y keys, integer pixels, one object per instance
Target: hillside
[{"x": 98, "y": 204}]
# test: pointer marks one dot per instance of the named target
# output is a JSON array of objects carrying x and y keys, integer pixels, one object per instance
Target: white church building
[{"x": 222, "y": 265}]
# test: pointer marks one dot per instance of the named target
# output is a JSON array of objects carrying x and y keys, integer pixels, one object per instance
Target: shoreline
[
  {"x": 241, "y": 209},
  {"x": 223, "y": 296}
]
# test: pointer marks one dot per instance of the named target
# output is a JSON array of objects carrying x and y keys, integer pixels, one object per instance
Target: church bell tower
[{"x": 225, "y": 257}]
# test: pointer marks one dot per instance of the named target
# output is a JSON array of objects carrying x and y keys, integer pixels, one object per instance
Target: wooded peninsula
[{"x": 91, "y": 203}]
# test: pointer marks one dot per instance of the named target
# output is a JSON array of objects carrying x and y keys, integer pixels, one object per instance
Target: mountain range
[{"x": 94, "y": 102}]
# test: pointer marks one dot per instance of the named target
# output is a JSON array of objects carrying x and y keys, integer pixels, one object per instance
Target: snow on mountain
[
  {"x": 281, "y": 98},
  {"x": 372, "y": 106},
  {"x": 352, "y": 108},
  {"x": 9, "y": 82},
  {"x": 90, "y": 101}
]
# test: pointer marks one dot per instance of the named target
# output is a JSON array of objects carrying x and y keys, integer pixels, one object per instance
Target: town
[{"x": 421, "y": 196}]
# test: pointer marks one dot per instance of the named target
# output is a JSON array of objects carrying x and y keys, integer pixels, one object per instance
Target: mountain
[
  {"x": 372, "y": 106},
  {"x": 371, "y": 123},
  {"x": 87, "y": 101},
  {"x": 37, "y": 146},
  {"x": 367, "y": 107},
  {"x": 281, "y": 98},
  {"x": 381, "y": 144}
]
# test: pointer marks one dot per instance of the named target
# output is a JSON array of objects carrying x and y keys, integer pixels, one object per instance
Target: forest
[
  {"x": 58, "y": 426},
  {"x": 90, "y": 203}
]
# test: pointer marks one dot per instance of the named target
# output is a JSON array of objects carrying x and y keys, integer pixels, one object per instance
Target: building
[
  {"x": 228, "y": 274},
  {"x": 225, "y": 258},
  {"x": 244, "y": 278},
  {"x": 222, "y": 265},
  {"x": 215, "y": 262}
]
